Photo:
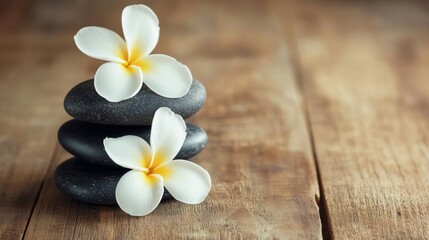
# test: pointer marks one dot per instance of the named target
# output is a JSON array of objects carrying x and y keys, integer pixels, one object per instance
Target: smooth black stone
[
  {"x": 90, "y": 183},
  {"x": 85, "y": 140},
  {"x": 83, "y": 103}
]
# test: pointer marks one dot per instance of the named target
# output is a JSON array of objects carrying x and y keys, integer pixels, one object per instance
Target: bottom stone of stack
[{"x": 90, "y": 183}]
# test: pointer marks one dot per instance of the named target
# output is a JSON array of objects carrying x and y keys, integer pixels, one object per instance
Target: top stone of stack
[{"x": 85, "y": 104}]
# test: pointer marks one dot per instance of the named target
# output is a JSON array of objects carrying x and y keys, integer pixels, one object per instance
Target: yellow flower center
[
  {"x": 155, "y": 168},
  {"x": 164, "y": 171},
  {"x": 134, "y": 54},
  {"x": 144, "y": 65},
  {"x": 134, "y": 58}
]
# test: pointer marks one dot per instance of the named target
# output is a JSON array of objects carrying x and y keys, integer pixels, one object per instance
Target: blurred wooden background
[{"x": 317, "y": 115}]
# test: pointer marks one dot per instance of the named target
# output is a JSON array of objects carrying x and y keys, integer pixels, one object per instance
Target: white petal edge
[
  {"x": 101, "y": 43},
  {"x": 141, "y": 30},
  {"x": 115, "y": 82},
  {"x": 186, "y": 181},
  {"x": 129, "y": 151},
  {"x": 138, "y": 194},
  {"x": 167, "y": 135},
  {"x": 166, "y": 76}
]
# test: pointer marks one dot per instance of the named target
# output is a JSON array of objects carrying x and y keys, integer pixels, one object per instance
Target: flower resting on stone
[
  {"x": 129, "y": 63},
  {"x": 140, "y": 190}
]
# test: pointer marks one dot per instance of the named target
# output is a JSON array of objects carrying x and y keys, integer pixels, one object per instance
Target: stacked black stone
[{"x": 91, "y": 176}]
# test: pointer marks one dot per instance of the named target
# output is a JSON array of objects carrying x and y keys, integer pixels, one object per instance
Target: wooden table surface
[{"x": 317, "y": 115}]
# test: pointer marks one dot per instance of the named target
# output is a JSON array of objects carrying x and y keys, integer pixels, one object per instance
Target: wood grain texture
[
  {"x": 362, "y": 66},
  {"x": 34, "y": 76},
  {"x": 366, "y": 77},
  {"x": 259, "y": 154}
]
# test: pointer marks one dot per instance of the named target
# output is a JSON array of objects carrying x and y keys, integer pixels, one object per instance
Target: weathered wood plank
[
  {"x": 365, "y": 73},
  {"x": 259, "y": 154},
  {"x": 34, "y": 76},
  {"x": 37, "y": 68}
]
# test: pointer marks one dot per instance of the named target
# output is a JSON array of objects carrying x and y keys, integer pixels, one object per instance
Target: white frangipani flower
[
  {"x": 140, "y": 190},
  {"x": 129, "y": 61}
]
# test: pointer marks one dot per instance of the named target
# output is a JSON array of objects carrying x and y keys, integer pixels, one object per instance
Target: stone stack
[{"x": 91, "y": 176}]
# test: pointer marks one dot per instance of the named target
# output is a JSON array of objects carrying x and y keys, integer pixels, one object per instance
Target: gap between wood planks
[
  {"x": 295, "y": 61},
  {"x": 320, "y": 200},
  {"x": 54, "y": 154}
]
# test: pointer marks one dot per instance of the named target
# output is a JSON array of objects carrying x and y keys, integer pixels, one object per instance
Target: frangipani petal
[
  {"x": 165, "y": 75},
  {"x": 167, "y": 136},
  {"x": 141, "y": 31},
  {"x": 186, "y": 181},
  {"x": 139, "y": 194},
  {"x": 101, "y": 43},
  {"x": 115, "y": 82},
  {"x": 129, "y": 152}
]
